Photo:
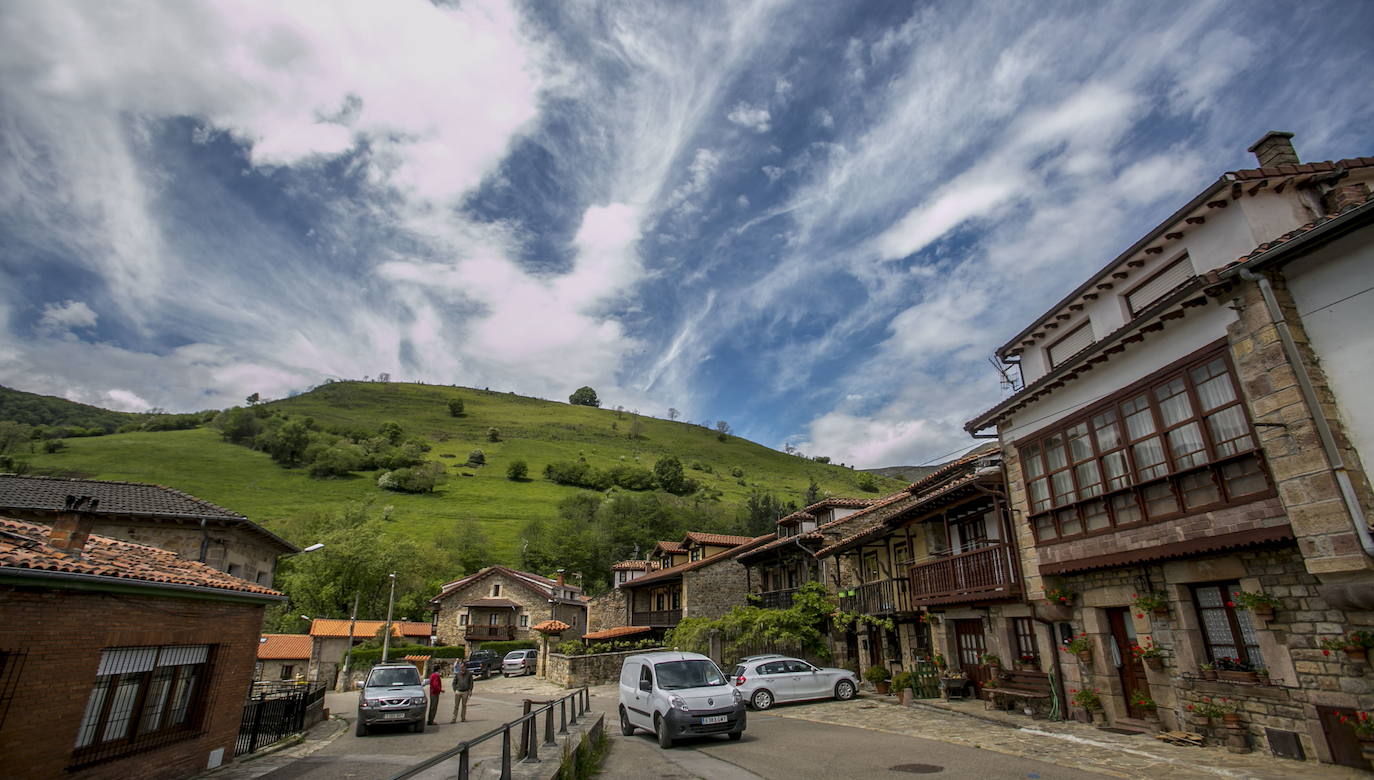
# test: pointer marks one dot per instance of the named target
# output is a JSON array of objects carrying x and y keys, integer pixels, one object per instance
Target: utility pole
[
  {"x": 386, "y": 637},
  {"x": 352, "y": 624}
]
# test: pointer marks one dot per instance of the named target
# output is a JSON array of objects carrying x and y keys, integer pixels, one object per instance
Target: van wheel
[
  {"x": 763, "y": 699},
  {"x": 361, "y": 729},
  {"x": 626, "y": 729},
  {"x": 844, "y": 690},
  {"x": 661, "y": 729}
]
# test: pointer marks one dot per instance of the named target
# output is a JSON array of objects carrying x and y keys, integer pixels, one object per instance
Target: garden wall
[{"x": 575, "y": 671}]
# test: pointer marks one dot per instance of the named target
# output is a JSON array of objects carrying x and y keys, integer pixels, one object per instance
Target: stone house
[
  {"x": 331, "y": 638},
  {"x": 157, "y": 516},
  {"x": 137, "y": 660},
  {"x": 707, "y": 587},
  {"x": 776, "y": 570},
  {"x": 502, "y": 604},
  {"x": 1192, "y": 428},
  {"x": 283, "y": 657}
]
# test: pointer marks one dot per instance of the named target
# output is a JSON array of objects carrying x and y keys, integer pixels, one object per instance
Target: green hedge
[
  {"x": 501, "y": 648},
  {"x": 371, "y": 656}
]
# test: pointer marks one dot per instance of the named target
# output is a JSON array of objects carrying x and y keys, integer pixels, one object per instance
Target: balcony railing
[
  {"x": 491, "y": 633},
  {"x": 978, "y": 575},
  {"x": 884, "y": 597},
  {"x": 777, "y": 599},
  {"x": 662, "y": 617}
]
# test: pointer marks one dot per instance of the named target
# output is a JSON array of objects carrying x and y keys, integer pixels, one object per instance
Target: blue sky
[{"x": 813, "y": 220}]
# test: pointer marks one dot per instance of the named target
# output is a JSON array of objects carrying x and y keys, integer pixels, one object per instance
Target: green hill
[
  {"x": 538, "y": 432},
  {"x": 32, "y": 409}
]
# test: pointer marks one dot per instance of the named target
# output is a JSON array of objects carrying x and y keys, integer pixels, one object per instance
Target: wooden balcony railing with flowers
[
  {"x": 884, "y": 597},
  {"x": 985, "y": 574}
]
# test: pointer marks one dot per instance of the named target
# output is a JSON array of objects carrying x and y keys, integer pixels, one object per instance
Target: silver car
[
  {"x": 392, "y": 695},
  {"x": 765, "y": 680},
  {"x": 520, "y": 662}
]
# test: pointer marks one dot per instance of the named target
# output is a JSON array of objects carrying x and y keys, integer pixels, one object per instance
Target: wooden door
[
  {"x": 969, "y": 645},
  {"x": 1340, "y": 738},
  {"x": 1129, "y": 667},
  {"x": 875, "y": 646}
]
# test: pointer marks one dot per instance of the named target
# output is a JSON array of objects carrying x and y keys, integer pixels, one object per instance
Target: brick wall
[{"x": 64, "y": 632}]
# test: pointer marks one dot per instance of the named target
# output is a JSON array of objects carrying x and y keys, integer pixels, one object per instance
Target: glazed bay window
[
  {"x": 1178, "y": 442},
  {"x": 143, "y": 697}
]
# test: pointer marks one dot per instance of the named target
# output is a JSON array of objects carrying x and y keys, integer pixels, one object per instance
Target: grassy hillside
[
  {"x": 536, "y": 431},
  {"x": 32, "y": 409}
]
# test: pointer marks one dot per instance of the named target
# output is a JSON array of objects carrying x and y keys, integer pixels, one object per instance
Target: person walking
[
  {"x": 436, "y": 687},
  {"x": 462, "y": 689}
]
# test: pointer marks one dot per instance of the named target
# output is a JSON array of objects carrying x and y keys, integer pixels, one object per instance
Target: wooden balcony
[
  {"x": 777, "y": 599},
  {"x": 985, "y": 574},
  {"x": 884, "y": 597},
  {"x": 489, "y": 633},
  {"x": 662, "y": 617}
]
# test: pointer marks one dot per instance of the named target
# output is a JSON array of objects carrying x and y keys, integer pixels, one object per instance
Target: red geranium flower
[
  {"x": 1326, "y": 652},
  {"x": 1230, "y": 603}
]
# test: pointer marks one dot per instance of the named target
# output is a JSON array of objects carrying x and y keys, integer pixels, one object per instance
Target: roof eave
[
  {"x": 1359, "y": 217},
  {"x": 15, "y": 575}
]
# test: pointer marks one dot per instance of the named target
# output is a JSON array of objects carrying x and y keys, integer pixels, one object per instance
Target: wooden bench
[{"x": 1014, "y": 684}]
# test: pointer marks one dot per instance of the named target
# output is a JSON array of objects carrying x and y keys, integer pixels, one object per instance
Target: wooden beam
[
  {"x": 1173, "y": 236},
  {"x": 1195, "y": 220}
]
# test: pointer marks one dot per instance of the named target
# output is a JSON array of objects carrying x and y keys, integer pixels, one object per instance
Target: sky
[{"x": 813, "y": 220}]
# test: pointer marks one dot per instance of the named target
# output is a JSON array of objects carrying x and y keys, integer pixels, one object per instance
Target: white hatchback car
[
  {"x": 765, "y": 680},
  {"x": 677, "y": 695}
]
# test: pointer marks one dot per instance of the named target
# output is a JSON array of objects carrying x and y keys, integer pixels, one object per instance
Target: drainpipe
[{"x": 1309, "y": 395}]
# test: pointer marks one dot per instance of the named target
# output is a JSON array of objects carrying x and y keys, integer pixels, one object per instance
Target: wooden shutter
[
  {"x": 1072, "y": 342},
  {"x": 1156, "y": 286}
]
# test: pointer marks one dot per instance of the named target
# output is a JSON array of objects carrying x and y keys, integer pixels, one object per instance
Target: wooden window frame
[
  {"x": 1228, "y": 591},
  {"x": 1023, "y": 632},
  {"x": 1050, "y": 520},
  {"x": 136, "y": 739}
]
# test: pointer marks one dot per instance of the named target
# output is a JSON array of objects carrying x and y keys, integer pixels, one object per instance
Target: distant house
[
  {"x": 624, "y": 571},
  {"x": 283, "y": 656},
  {"x": 118, "y": 659},
  {"x": 708, "y": 586},
  {"x": 502, "y": 604},
  {"x": 157, "y": 516},
  {"x": 330, "y": 640},
  {"x": 776, "y": 570}
]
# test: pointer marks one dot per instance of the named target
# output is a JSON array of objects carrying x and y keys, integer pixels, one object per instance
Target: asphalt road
[{"x": 772, "y": 747}]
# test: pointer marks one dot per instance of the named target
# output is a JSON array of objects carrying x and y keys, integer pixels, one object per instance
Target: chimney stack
[
  {"x": 73, "y": 526},
  {"x": 1275, "y": 148},
  {"x": 560, "y": 577}
]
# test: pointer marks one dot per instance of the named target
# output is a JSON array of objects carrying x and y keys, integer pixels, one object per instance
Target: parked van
[{"x": 676, "y": 695}]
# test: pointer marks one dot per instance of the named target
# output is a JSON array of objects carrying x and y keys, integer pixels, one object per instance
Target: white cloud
[
  {"x": 755, "y": 118},
  {"x": 773, "y": 172},
  {"x": 60, "y": 319}
]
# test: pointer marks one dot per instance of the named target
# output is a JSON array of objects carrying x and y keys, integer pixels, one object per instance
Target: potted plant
[
  {"x": 1142, "y": 701},
  {"x": 1081, "y": 646},
  {"x": 1155, "y": 603},
  {"x": 1262, "y": 605},
  {"x": 1363, "y": 726},
  {"x": 1227, "y": 709},
  {"x": 1262, "y": 675},
  {"x": 902, "y": 683},
  {"x": 939, "y": 662},
  {"x": 879, "y": 676},
  {"x": 1090, "y": 700},
  {"x": 1149, "y": 653},
  {"x": 1028, "y": 662},
  {"x": 1355, "y": 645},
  {"x": 1060, "y": 596},
  {"x": 1209, "y": 671},
  {"x": 993, "y": 663},
  {"x": 1235, "y": 670},
  {"x": 1207, "y": 710}
]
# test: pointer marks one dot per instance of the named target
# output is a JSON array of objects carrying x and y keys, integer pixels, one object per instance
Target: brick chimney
[
  {"x": 1275, "y": 148},
  {"x": 560, "y": 577},
  {"x": 73, "y": 526}
]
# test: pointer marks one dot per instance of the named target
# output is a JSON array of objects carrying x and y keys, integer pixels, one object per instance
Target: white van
[{"x": 677, "y": 695}]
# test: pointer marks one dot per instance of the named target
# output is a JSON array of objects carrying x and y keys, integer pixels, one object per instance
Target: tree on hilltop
[{"x": 584, "y": 396}]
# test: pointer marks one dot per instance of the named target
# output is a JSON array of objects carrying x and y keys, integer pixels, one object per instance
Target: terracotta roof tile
[
  {"x": 809, "y": 536},
  {"x": 617, "y": 632},
  {"x": 633, "y": 565},
  {"x": 879, "y": 528},
  {"x": 542, "y": 585},
  {"x": 671, "y": 547},
  {"x": 796, "y": 517},
  {"x": 944, "y": 470},
  {"x": 1299, "y": 232},
  {"x": 715, "y": 540},
  {"x": 551, "y": 627},
  {"x": 1250, "y": 174},
  {"x": 841, "y": 503},
  {"x": 284, "y": 647},
  {"x": 24, "y": 545},
  {"x": 337, "y": 628}
]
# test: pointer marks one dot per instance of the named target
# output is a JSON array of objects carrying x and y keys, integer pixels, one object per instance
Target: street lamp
[
  {"x": 386, "y": 637},
  {"x": 314, "y": 547}
]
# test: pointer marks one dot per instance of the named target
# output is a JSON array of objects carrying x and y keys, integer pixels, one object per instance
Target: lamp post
[{"x": 386, "y": 636}]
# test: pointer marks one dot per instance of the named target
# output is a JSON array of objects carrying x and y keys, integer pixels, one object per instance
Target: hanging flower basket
[
  {"x": 1208, "y": 671},
  {"x": 1156, "y": 603},
  {"x": 1262, "y": 605},
  {"x": 1154, "y": 662}
]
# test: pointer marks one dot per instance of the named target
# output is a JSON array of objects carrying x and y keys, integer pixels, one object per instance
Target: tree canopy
[{"x": 584, "y": 396}]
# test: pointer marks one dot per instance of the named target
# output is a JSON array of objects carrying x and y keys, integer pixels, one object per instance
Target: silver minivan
[{"x": 675, "y": 695}]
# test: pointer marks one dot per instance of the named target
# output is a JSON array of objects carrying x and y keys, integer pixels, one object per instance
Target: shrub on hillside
[
  {"x": 418, "y": 479},
  {"x": 631, "y": 477},
  {"x": 577, "y": 474},
  {"x": 517, "y": 470},
  {"x": 477, "y": 458},
  {"x": 867, "y": 483},
  {"x": 455, "y": 407},
  {"x": 493, "y": 434},
  {"x": 335, "y": 460}
]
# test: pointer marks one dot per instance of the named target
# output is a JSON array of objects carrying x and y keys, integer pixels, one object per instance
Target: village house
[
  {"x": 283, "y": 657},
  {"x": 608, "y": 610},
  {"x": 331, "y": 639},
  {"x": 117, "y": 659},
  {"x": 1184, "y": 461},
  {"x": 776, "y": 570},
  {"x": 157, "y": 516},
  {"x": 499, "y": 604},
  {"x": 708, "y": 585}
]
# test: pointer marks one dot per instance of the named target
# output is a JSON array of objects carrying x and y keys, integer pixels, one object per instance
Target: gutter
[{"x": 13, "y": 575}]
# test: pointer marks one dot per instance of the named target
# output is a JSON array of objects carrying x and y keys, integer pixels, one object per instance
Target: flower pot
[
  {"x": 1356, "y": 653},
  {"x": 1086, "y": 656},
  {"x": 1154, "y": 662},
  {"x": 1240, "y": 677},
  {"x": 1099, "y": 718},
  {"x": 1231, "y": 719},
  {"x": 1160, "y": 611},
  {"x": 1201, "y": 724},
  {"x": 883, "y": 687},
  {"x": 1209, "y": 674},
  {"x": 1263, "y": 613}
]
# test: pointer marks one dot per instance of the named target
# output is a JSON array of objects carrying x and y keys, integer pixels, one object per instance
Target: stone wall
[
  {"x": 712, "y": 591},
  {"x": 575, "y": 671},
  {"x": 534, "y": 607},
  {"x": 607, "y": 611}
]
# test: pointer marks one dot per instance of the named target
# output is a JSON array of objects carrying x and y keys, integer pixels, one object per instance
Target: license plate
[
  {"x": 393, "y": 715},
  {"x": 713, "y": 719}
]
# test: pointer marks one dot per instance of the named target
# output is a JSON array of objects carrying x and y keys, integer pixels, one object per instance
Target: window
[
  {"x": 1157, "y": 286},
  {"x": 287, "y": 671},
  {"x": 1072, "y": 342},
  {"x": 677, "y": 599},
  {"x": 143, "y": 697},
  {"x": 524, "y": 621},
  {"x": 1026, "y": 650},
  {"x": 1177, "y": 442},
  {"x": 463, "y": 619},
  {"x": 621, "y": 577},
  {"x": 1227, "y": 631},
  {"x": 496, "y": 589},
  {"x": 696, "y": 554}
]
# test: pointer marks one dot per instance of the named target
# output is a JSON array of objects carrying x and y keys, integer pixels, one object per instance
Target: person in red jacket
[{"x": 436, "y": 687}]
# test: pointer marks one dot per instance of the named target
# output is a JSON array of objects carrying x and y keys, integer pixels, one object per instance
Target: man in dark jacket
[{"x": 462, "y": 689}]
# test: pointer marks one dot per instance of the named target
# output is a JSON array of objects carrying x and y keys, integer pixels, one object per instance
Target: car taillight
[{"x": 740, "y": 680}]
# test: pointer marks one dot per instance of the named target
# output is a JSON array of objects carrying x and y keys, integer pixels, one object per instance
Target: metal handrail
[{"x": 580, "y": 701}]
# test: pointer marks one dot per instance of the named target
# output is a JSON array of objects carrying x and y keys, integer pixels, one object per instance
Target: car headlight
[
  {"x": 738, "y": 697},
  {"x": 418, "y": 700},
  {"x": 678, "y": 702}
]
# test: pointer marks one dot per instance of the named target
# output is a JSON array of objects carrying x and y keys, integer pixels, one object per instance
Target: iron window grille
[
  {"x": 1024, "y": 632},
  {"x": 143, "y": 698},
  {"x": 1177, "y": 443}
]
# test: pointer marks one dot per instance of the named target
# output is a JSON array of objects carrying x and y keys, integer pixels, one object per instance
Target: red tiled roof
[
  {"x": 674, "y": 571},
  {"x": 878, "y": 529},
  {"x": 617, "y": 632},
  {"x": 671, "y": 547},
  {"x": 284, "y": 647},
  {"x": 1264, "y": 248},
  {"x": 796, "y": 517},
  {"x": 1276, "y": 171},
  {"x": 878, "y": 503},
  {"x": 337, "y": 628},
  {"x": 715, "y": 540},
  {"x": 633, "y": 565},
  {"x": 944, "y": 470},
  {"x": 841, "y": 503},
  {"x": 783, "y": 541},
  {"x": 25, "y": 545},
  {"x": 542, "y": 585},
  {"x": 551, "y": 627},
  {"x": 492, "y": 603}
]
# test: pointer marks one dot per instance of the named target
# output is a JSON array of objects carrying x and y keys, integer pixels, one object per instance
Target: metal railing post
[
  {"x": 463, "y": 764},
  {"x": 524, "y": 730},
  {"x": 563, "y": 715},
  {"x": 548, "y": 725},
  {"x": 572, "y": 714},
  {"x": 505, "y": 753}
]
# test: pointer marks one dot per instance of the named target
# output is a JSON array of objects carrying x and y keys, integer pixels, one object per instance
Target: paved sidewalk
[{"x": 1066, "y": 743}]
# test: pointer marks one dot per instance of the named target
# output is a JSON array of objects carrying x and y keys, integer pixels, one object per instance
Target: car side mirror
[{"x": 645, "y": 685}]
